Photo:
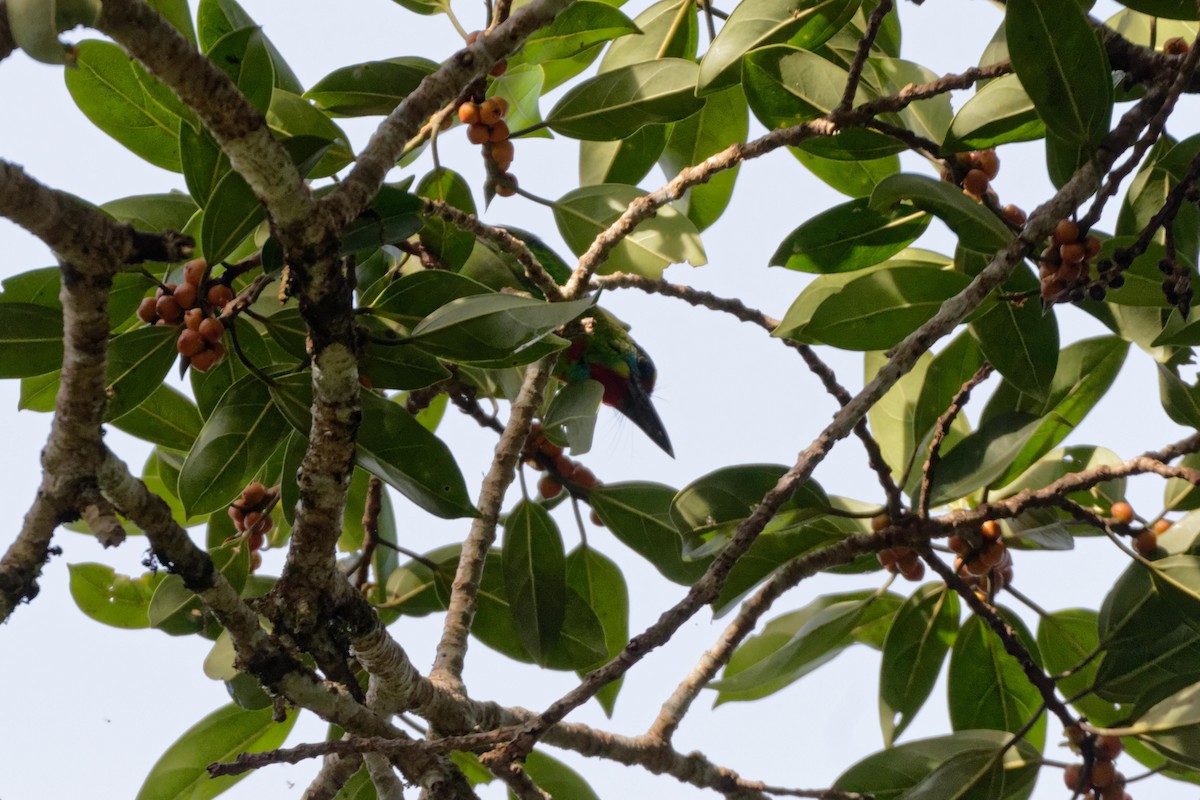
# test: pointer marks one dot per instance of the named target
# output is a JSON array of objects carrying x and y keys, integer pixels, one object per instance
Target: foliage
[{"x": 409, "y": 300}]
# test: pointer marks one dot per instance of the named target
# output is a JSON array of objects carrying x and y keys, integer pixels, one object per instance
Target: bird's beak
[{"x": 641, "y": 412}]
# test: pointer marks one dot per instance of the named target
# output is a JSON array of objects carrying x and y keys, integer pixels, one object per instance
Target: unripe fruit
[
  {"x": 468, "y": 113},
  {"x": 219, "y": 295},
  {"x": 1162, "y": 526},
  {"x": 988, "y": 162},
  {"x": 1122, "y": 512},
  {"x": 1146, "y": 542},
  {"x": 204, "y": 361},
  {"x": 211, "y": 329},
  {"x": 976, "y": 183},
  {"x": 548, "y": 487},
  {"x": 492, "y": 110},
  {"x": 189, "y": 343},
  {"x": 1072, "y": 776},
  {"x": 1107, "y": 748},
  {"x": 990, "y": 529},
  {"x": 185, "y": 296},
  {"x": 498, "y": 132},
  {"x": 478, "y": 134},
  {"x": 147, "y": 310},
  {"x": 193, "y": 271},
  {"x": 880, "y": 521},
  {"x": 169, "y": 310},
  {"x": 1066, "y": 231}
]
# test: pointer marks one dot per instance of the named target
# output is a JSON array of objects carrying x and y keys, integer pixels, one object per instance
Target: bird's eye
[{"x": 646, "y": 372}]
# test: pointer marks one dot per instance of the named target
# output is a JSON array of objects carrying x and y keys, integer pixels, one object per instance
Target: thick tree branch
[{"x": 7, "y": 45}]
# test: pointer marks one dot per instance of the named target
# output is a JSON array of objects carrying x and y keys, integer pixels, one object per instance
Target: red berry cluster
[
  {"x": 1065, "y": 265},
  {"x": 902, "y": 560},
  {"x": 561, "y": 471},
  {"x": 1145, "y": 541},
  {"x": 983, "y": 559},
  {"x": 1103, "y": 777},
  {"x": 974, "y": 172},
  {"x": 172, "y": 304},
  {"x": 251, "y": 516}
]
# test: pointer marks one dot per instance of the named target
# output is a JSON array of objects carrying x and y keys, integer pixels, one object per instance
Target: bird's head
[{"x": 606, "y": 353}]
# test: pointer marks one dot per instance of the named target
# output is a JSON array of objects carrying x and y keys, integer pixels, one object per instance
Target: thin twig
[{"x": 939, "y": 434}]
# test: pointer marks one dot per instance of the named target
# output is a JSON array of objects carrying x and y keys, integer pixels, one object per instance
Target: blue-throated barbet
[{"x": 605, "y": 352}]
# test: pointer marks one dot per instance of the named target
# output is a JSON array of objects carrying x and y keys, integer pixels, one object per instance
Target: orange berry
[
  {"x": 204, "y": 361},
  {"x": 1146, "y": 542},
  {"x": 468, "y": 113},
  {"x": 1091, "y": 246},
  {"x": 1122, "y": 512},
  {"x": 168, "y": 310},
  {"x": 1014, "y": 214},
  {"x": 211, "y": 329},
  {"x": 1066, "y": 231},
  {"x": 976, "y": 183},
  {"x": 1107, "y": 748},
  {"x": 990, "y": 529},
  {"x": 257, "y": 539},
  {"x": 549, "y": 448},
  {"x": 473, "y": 36},
  {"x": 584, "y": 478},
  {"x": 502, "y": 154},
  {"x": 977, "y": 567},
  {"x": 548, "y": 487},
  {"x": 219, "y": 295},
  {"x": 189, "y": 343},
  {"x": 959, "y": 545},
  {"x": 193, "y": 271},
  {"x": 185, "y": 295},
  {"x": 492, "y": 110},
  {"x": 193, "y": 317},
  {"x": 1072, "y": 253},
  {"x": 988, "y": 162},
  {"x": 1175, "y": 46},
  {"x": 255, "y": 561},
  {"x": 147, "y": 310},
  {"x": 478, "y": 134},
  {"x": 880, "y": 521},
  {"x": 1162, "y": 526},
  {"x": 887, "y": 559},
  {"x": 993, "y": 553},
  {"x": 1103, "y": 773},
  {"x": 238, "y": 516},
  {"x": 912, "y": 570},
  {"x": 498, "y": 132},
  {"x": 500, "y": 68}
]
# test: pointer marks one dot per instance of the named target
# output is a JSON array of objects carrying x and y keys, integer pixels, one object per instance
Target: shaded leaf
[
  {"x": 373, "y": 87},
  {"x": 613, "y": 105},
  {"x": 535, "y": 579},
  {"x": 917, "y": 642},
  {"x": 638, "y": 514}
]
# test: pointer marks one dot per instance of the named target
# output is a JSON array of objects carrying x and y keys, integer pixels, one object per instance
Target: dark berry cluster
[
  {"x": 1065, "y": 266},
  {"x": 983, "y": 559},
  {"x": 200, "y": 341},
  {"x": 898, "y": 560},
  {"x": 251, "y": 515},
  {"x": 1101, "y": 780},
  {"x": 560, "y": 471}
]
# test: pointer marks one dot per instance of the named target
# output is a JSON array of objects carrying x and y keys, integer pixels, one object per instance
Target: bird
[{"x": 606, "y": 353}]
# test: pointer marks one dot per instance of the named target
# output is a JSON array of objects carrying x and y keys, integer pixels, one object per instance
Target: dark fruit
[
  {"x": 548, "y": 487},
  {"x": 507, "y": 186},
  {"x": 189, "y": 343},
  {"x": 147, "y": 310},
  {"x": 1107, "y": 748},
  {"x": 595, "y": 518},
  {"x": 976, "y": 183},
  {"x": 219, "y": 295},
  {"x": 193, "y": 271},
  {"x": 1072, "y": 777},
  {"x": 1146, "y": 543},
  {"x": 211, "y": 329},
  {"x": 478, "y": 134},
  {"x": 1066, "y": 231}
]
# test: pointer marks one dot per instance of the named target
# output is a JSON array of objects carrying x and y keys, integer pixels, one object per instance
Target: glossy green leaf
[
  {"x": 419, "y": 588},
  {"x": 999, "y": 113},
  {"x": 984, "y": 456},
  {"x": 491, "y": 326},
  {"x": 625, "y": 160},
  {"x": 111, "y": 598},
  {"x": 181, "y": 772},
  {"x": 209, "y": 387},
  {"x": 723, "y": 121},
  {"x": 400, "y": 366},
  {"x": 727, "y": 496},
  {"x": 929, "y": 118},
  {"x": 1021, "y": 342},
  {"x": 668, "y": 238},
  {"x": 231, "y": 214},
  {"x": 1180, "y": 400},
  {"x": 668, "y": 29},
  {"x": 852, "y": 178},
  {"x": 1067, "y": 639},
  {"x": 121, "y": 99},
  {"x": 977, "y": 228},
  {"x": 449, "y": 244},
  {"x": 240, "y": 435},
  {"x": 848, "y": 237},
  {"x": 570, "y": 420},
  {"x": 556, "y": 778},
  {"x": 917, "y": 642},
  {"x": 216, "y": 18},
  {"x": 877, "y": 310},
  {"x": 535, "y": 579},
  {"x": 966, "y": 765},
  {"x": 411, "y": 298},
  {"x": 582, "y": 25},
  {"x": 394, "y": 216},
  {"x": 639, "y": 515},
  {"x": 167, "y": 211},
  {"x": 31, "y": 339},
  {"x": 1062, "y": 65},
  {"x": 754, "y": 24},
  {"x": 242, "y": 54},
  {"x": 988, "y": 688},
  {"x": 613, "y": 105},
  {"x": 166, "y": 418},
  {"x": 1172, "y": 727},
  {"x": 599, "y": 581},
  {"x": 138, "y": 362},
  {"x": 34, "y": 25},
  {"x": 948, "y": 371},
  {"x": 370, "y": 88},
  {"x": 522, "y": 86},
  {"x": 305, "y": 131}
]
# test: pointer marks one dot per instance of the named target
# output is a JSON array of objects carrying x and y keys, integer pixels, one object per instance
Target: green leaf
[
  {"x": 216, "y": 18},
  {"x": 231, "y": 213},
  {"x": 448, "y": 243},
  {"x": 999, "y": 113},
  {"x": 723, "y": 121},
  {"x": 668, "y": 238},
  {"x": 1062, "y": 65},
  {"x": 242, "y": 54},
  {"x": 848, "y": 237},
  {"x": 138, "y": 362},
  {"x": 599, "y": 581},
  {"x": 415, "y": 589},
  {"x": 522, "y": 86},
  {"x": 947, "y": 373},
  {"x": 401, "y": 366},
  {"x": 1172, "y": 728},
  {"x": 571, "y": 418},
  {"x": 202, "y": 161},
  {"x": 491, "y": 326},
  {"x": 917, "y": 642},
  {"x": 965, "y": 764},
  {"x": 639, "y": 515},
  {"x": 111, "y": 598},
  {"x": 877, "y": 310},
  {"x": 984, "y": 456},
  {"x": 31, "y": 340},
  {"x": 582, "y": 25},
  {"x": 535, "y": 578},
  {"x": 123, "y": 100},
  {"x": 394, "y": 216},
  {"x": 625, "y": 160},
  {"x": 370, "y": 88},
  {"x": 413, "y": 297},
  {"x": 1180, "y": 400},
  {"x": 167, "y": 418},
  {"x": 209, "y": 387},
  {"x": 977, "y": 228},
  {"x": 1021, "y": 342},
  {"x": 302, "y": 128},
  {"x": 240, "y": 435},
  {"x": 556, "y": 778},
  {"x": 668, "y": 29},
  {"x": 988, "y": 688},
  {"x": 723, "y": 498},
  {"x": 34, "y": 26},
  {"x": 168, "y": 211},
  {"x": 753, "y": 24},
  {"x": 852, "y": 178},
  {"x": 1172, "y": 9},
  {"x": 1066, "y": 639},
  {"x": 613, "y": 105},
  {"x": 221, "y": 736}
]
